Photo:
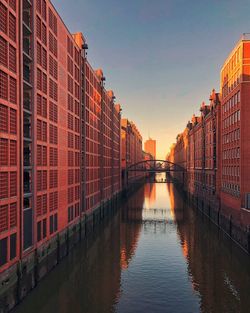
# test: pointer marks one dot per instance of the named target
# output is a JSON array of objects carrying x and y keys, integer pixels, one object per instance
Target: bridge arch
[{"x": 155, "y": 166}]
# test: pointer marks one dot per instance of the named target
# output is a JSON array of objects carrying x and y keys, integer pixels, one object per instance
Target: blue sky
[{"x": 161, "y": 57}]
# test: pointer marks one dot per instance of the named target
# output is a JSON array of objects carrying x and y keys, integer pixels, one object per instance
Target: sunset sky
[{"x": 162, "y": 58}]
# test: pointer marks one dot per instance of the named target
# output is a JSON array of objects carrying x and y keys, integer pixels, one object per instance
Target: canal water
[{"x": 155, "y": 255}]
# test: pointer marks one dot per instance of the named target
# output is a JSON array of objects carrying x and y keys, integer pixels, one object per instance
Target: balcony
[
  {"x": 27, "y": 105},
  {"x": 27, "y": 203},
  {"x": 26, "y": 182},
  {"x": 26, "y": 4},
  {"x": 27, "y": 77},
  {"x": 26, "y": 23},
  {"x": 27, "y": 101},
  {"x": 27, "y": 154},
  {"x": 27, "y": 50},
  {"x": 26, "y": 126},
  {"x": 26, "y": 73}
]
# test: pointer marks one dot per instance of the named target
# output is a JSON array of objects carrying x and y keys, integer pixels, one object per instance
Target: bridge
[{"x": 155, "y": 166}]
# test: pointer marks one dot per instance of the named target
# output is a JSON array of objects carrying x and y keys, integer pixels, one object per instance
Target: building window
[
  {"x": 12, "y": 58},
  {"x": 39, "y": 231},
  {"x": 44, "y": 228},
  {"x": 13, "y": 184},
  {"x": 3, "y": 52},
  {"x": 13, "y": 246},
  {"x": 27, "y": 229},
  {"x": 13, "y": 121},
  {"x": 13, "y": 215},
  {"x": 4, "y": 185},
  {"x": 12, "y": 27},
  {"x": 53, "y": 223},
  {"x": 3, "y": 152},
  {"x": 3, "y": 85},
  {"x": 3, "y": 18},
  {"x": 70, "y": 214},
  {"x": 3, "y": 218},
  {"x": 3, "y": 251}
]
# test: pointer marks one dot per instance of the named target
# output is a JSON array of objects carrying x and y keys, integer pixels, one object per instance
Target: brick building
[
  {"x": 10, "y": 145},
  {"x": 179, "y": 153},
  {"x": 203, "y": 153},
  {"x": 197, "y": 150},
  {"x": 218, "y": 148},
  {"x": 131, "y": 148},
  {"x": 235, "y": 89},
  {"x": 150, "y": 147},
  {"x": 59, "y": 130}
]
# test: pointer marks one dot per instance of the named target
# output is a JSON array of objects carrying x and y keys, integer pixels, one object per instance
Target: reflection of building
[
  {"x": 157, "y": 208},
  {"x": 156, "y": 214},
  {"x": 150, "y": 147},
  {"x": 216, "y": 272},
  {"x": 176, "y": 202},
  {"x": 131, "y": 225},
  {"x": 150, "y": 193}
]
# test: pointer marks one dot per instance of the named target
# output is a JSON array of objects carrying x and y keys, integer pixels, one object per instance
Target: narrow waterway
[{"x": 156, "y": 255}]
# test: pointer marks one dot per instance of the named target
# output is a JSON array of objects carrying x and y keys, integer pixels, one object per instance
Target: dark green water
[{"x": 156, "y": 255}]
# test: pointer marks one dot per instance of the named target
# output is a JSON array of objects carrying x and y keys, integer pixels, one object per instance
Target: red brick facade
[
  {"x": 59, "y": 130},
  {"x": 131, "y": 148},
  {"x": 10, "y": 145},
  {"x": 197, "y": 150},
  {"x": 218, "y": 154}
]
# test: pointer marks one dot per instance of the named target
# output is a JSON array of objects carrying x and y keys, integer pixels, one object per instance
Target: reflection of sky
[
  {"x": 157, "y": 278},
  {"x": 162, "y": 199},
  {"x": 157, "y": 204}
]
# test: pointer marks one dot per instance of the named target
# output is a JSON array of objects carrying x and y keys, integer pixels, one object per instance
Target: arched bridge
[{"x": 155, "y": 166}]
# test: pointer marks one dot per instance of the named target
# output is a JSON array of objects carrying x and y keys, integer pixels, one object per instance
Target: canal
[{"x": 155, "y": 255}]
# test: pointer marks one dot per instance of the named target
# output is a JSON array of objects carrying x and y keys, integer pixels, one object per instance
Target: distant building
[
  {"x": 197, "y": 150},
  {"x": 150, "y": 147},
  {"x": 131, "y": 145}
]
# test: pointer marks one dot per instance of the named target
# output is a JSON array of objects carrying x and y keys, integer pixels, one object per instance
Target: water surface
[{"x": 156, "y": 255}]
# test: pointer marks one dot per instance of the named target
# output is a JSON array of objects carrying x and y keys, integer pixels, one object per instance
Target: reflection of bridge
[
  {"x": 156, "y": 166},
  {"x": 157, "y": 215}
]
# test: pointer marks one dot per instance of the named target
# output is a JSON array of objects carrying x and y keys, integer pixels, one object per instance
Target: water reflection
[
  {"x": 219, "y": 271},
  {"x": 157, "y": 205},
  {"x": 88, "y": 280},
  {"x": 131, "y": 227},
  {"x": 149, "y": 194},
  {"x": 156, "y": 255}
]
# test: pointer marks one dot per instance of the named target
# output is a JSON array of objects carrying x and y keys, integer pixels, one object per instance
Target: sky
[{"x": 162, "y": 58}]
